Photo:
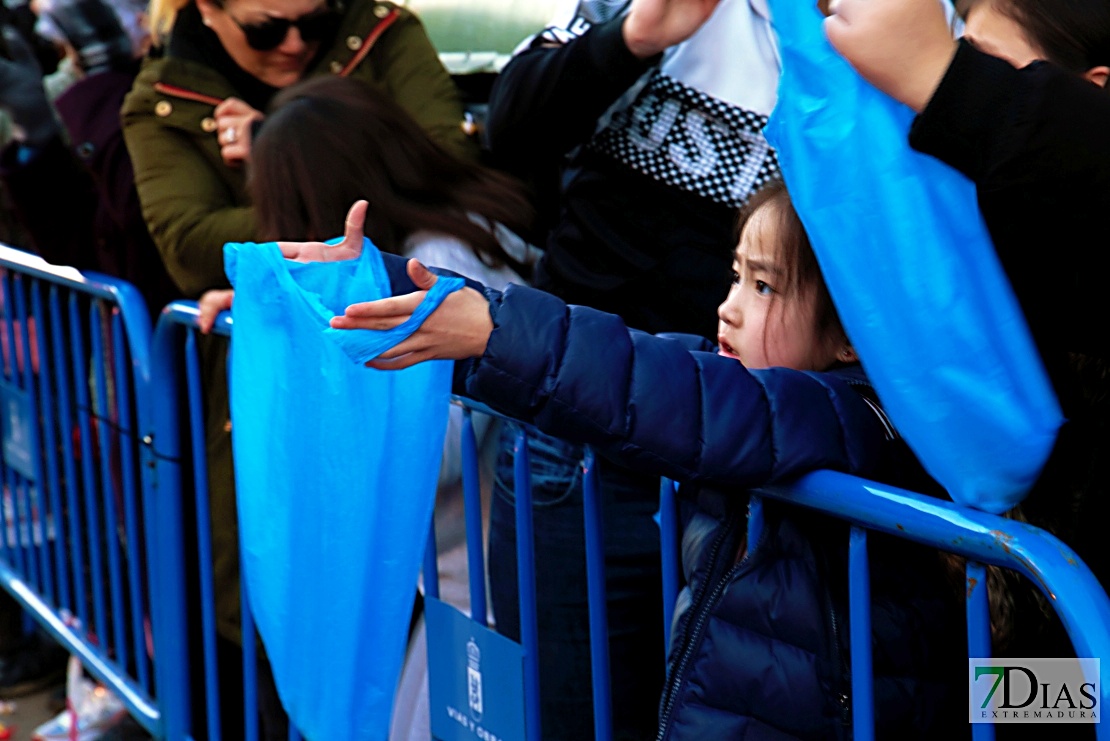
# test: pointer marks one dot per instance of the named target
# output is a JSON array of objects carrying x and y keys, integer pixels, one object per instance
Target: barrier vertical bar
[
  {"x": 472, "y": 508},
  {"x": 163, "y": 512},
  {"x": 670, "y": 555},
  {"x": 92, "y": 519},
  {"x": 39, "y": 555},
  {"x": 598, "y": 610},
  {"x": 204, "y": 534},
  {"x": 859, "y": 611},
  {"x": 104, "y": 436},
  {"x": 126, "y": 434},
  {"x": 13, "y": 548},
  {"x": 978, "y": 631},
  {"x": 69, "y": 467},
  {"x": 431, "y": 563},
  {"x": 50, "y": 448},
  {"x": 526, "y": 584}
]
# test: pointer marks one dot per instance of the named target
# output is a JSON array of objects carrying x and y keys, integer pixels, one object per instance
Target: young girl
[
  {"x": 1019, "y": 105},
  {"x": 759, "y": 649}
]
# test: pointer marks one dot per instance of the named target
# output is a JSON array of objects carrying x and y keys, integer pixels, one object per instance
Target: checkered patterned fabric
[{"x": 691, "y": 141}]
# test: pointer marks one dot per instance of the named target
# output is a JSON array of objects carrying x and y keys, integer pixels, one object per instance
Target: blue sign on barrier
[
  {"x": 15, "y": 418},
  {"x": 475, "y": 678}
]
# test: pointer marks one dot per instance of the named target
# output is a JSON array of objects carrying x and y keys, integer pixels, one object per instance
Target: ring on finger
[{"x": 229, "y": 135}]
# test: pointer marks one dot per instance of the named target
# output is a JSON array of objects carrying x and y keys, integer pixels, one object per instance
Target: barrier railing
[
  {"x": 73, "y": 549},
  {"x": 78, "y": 386},
  {"x": 1066, "y": 582}
]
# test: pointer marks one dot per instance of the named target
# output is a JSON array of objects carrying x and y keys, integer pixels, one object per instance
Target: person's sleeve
[
  {"x": 188, "y": 208},
  {"x": 548, "y": 98},
  {"x": 653, "y": 405},
  {"x": 54, "y": 198},
  {"x": 410, "y": 69},
  {"x": 1003, "y": 126}
]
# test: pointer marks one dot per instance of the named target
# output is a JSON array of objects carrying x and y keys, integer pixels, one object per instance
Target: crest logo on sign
[{"x": 474, "y": 679}]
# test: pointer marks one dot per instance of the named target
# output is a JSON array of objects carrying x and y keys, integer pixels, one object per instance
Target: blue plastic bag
[
  {"x": 913, "y": 274},
  {"x": 335, "y": 469}
]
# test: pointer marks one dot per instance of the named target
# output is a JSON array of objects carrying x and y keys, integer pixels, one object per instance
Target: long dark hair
[
  {"x": 330, "y": 141},
  {"x": 1074, "y": 34}
]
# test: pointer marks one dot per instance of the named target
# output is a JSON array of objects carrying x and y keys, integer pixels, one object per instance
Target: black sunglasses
[{"x": 269, "y": 34}]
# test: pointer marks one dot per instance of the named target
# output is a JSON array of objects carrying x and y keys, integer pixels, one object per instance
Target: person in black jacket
[{"x": 1019, "y": 105}]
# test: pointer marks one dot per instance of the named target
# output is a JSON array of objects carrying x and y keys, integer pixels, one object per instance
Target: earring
[
  {"x": 846, "y": 354},
  {"x": 207, "y": 21}
]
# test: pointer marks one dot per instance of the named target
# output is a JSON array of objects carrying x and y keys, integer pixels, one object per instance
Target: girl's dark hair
[
  {"x": 800, "y": 269},
  {"x": 1074, "y": 34},
  {"x": 329, "y": 141}
]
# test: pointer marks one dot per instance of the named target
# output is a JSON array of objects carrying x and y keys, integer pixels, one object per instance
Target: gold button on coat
[
  {"x": 208, "y": 124},
  {"x": 354, "y": 43},
  {"x": 381, "y": 11},
  {"x": 336, "y": 67},
  {"x": 163, "y": 108}
]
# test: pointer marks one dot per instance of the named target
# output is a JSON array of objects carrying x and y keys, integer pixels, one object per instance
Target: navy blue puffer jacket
[{"x": 760, "y": 646}]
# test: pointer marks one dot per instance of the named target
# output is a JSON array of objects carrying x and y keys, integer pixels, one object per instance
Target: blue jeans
[{"x": 633, "y": 587}]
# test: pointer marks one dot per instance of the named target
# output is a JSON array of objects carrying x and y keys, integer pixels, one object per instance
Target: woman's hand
[
  {"x": 233, "y": 127},
  {"x": 459, "y": 328},
  {"x": 348, "y": 249},
  {"x": 210, "y": 305},
  {"x": 902, "y": 47},
  {"x": 652, "y": 26}
]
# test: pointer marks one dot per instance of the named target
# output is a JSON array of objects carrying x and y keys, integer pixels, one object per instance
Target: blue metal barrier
[
  {"x": 1067, "y": 583},
  {"x": 981, "y": 538},
  {"x": 74, "y": 521}
]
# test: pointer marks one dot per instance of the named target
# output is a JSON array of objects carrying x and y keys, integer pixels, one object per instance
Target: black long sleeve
[
  {"x": 548, "y": 99},
  {"x": 1034, "y": 142}
]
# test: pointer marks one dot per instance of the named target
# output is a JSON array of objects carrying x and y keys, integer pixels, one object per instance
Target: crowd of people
[{"x": 646, "y": 287}]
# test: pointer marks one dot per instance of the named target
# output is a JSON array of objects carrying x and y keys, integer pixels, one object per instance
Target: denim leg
[{"x": 633, "y": 583}]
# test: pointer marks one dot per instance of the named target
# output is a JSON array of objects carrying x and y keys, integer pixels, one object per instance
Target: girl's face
[
  {"x": 764, "y": 322},
  {"x": 995, "y": 33},
  {"x": 266, "y": 21}
]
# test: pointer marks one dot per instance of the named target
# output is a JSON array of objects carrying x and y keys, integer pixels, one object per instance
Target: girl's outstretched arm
[
  {"x": 458, "y": 329},
  {"x": 645, "y": 401}
]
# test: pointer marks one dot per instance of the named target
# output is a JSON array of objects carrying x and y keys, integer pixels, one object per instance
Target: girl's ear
[
  {"x": 1097, "y": 75},
  {"x": 847, "y": 354}
]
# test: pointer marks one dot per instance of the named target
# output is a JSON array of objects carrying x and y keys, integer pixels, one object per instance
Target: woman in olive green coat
[{"x": 188, "y": 122}]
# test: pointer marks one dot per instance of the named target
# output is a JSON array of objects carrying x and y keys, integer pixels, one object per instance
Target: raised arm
[
  {"x": 548, "y": 99},
  {"x": 646, "y": 401}
]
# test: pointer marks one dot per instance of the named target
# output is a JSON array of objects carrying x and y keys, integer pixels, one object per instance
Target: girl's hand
[
  {"x": 233, "y": 127},
  {"x": 652, "y": 26},
  {"x": 902, "y": 47},
  {"x": 459, "y": 328},
  {"x": 349, "y": 249},
  {"x": 210, "y": 305}
]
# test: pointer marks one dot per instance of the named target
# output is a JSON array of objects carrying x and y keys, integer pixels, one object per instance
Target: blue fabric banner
[
  {"x": 913, "y": 273},
  {"x": 335, "y": 468}
]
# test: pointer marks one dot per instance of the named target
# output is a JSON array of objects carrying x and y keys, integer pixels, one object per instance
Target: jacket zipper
[
  {"x": 842, "y": 697},
  {"x": 700, "y": 620}
]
